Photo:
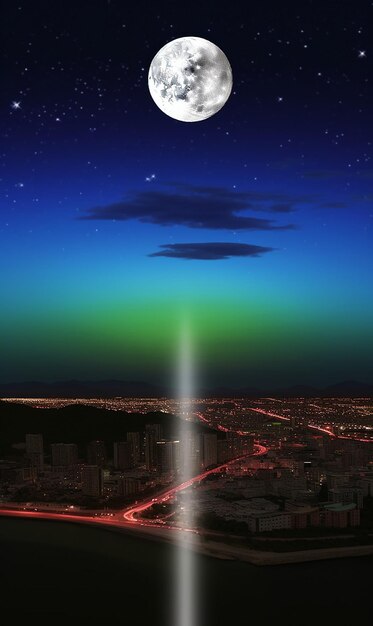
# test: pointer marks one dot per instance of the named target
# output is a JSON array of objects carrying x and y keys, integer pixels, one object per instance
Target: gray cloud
[
  {"x": 215, "y": 208},
  {"x": 324, "y": 174},
  {"x": 365, "y": 173},
  {"x": 334, "y": 205},
  {"x": 284, "y": 207},
  {"x": 342, "y": 173},
  {"x": 211, "y": 251}
]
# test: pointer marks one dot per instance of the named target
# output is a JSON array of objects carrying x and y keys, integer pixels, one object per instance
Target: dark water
[{"x": 61, "y": 573}]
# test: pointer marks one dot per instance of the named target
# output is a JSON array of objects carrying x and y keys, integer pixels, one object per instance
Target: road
[
  {"x": 287, "y": 419},
  {"x": 133, "y": 514},
  {"x": 49, "y": 515},
  {"x": 129, "y": 518},
  {"x": 320, "y": 429}
]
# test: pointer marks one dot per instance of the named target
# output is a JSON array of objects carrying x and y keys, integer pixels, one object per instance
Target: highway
[
  {"x": 122, "y": 519},
  {"x": 89, "y": 518},
  {"x": 133, "y": 514},
  {"x": 130, "y": 517},
  {"x": 287, "y": 419},
  {"x": 321, "y": 429}
]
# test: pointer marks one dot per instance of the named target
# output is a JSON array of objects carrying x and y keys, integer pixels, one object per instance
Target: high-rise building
[
  {"x": 129, "y": 486},
  {"x": 92, "y": 480},
  {"x": 134, "y": 439},
  {"x": 223, "y": 453},
  {"x": 96, "y": 453},
  {"x": 210, "y": 449},
  {"x": 123, "y": 455},
  {"x": 153, "y": 433},
  {"x": 35, "y": 450},
  {"x": 64, "y": 454},
  {"x": 176, "y": 455},
  {"x": 190, "y": 452},
  {"x": 167, "y": 456}
]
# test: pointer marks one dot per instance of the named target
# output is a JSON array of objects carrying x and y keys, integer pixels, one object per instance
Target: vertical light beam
[{"x": 185, "y": 613}]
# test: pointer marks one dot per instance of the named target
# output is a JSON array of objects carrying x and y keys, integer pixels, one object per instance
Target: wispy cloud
[
  {"x": 334, "y": 205},
  {"x": 215, "y": 208},
  {"x": 324, "y": 174},
  {"x": 211, "y": 251}
]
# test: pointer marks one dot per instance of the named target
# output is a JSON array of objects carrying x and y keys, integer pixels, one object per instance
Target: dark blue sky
[{"x": 116, "y": 219}]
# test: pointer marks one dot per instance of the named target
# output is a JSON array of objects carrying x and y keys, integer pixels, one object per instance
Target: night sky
[{"x": 117, "y": 222}]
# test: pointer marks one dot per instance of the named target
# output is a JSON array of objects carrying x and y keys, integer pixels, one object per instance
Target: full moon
[{"x": 190, "y": 79}]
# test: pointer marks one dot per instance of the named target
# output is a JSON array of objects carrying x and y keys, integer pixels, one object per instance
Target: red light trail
[
  {"x": 130, "y": 514},
  {"x": 321, "y": 429},
  {"x": 127, "y": 518},
  {"x": 287, "y": 419}
]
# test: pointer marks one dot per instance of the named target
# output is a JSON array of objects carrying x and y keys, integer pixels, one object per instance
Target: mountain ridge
[{"x": 118, "y": 388}]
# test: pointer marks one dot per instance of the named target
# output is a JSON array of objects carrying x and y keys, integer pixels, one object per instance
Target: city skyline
[
  {"x": 247, "y": 481},
  {"x": 117, "y": 222}
]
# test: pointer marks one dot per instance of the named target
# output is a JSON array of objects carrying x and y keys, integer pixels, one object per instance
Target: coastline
[
  {"x": 193, "y": 541},
  {"x": 221, "y": 550},
  {"x": 258, "y": 557}
]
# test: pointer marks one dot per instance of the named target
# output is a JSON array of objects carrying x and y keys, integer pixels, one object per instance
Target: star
[
  {"x": 150, "y": 178},
  {"x": 280, "y": 99},
  {"x": 362, "y": 54},
  {"x": 15, "y": 105}
]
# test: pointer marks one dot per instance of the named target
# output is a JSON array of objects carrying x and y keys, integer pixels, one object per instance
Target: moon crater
[{"x": 190, "y": 79}]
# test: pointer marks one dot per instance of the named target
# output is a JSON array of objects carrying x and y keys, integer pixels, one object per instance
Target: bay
[{"x": 71, "y": 574}]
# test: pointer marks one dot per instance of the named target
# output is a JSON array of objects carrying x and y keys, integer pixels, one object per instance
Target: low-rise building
[
  {"x": 340, "y": 515},
  {"x": 265, "y": 522},
  {"x": 345, "y": 494}
]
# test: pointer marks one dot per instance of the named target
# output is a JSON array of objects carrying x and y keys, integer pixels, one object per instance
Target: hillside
[{"x": 77, "y": 423}]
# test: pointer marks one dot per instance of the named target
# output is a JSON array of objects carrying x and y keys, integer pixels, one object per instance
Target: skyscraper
[
  {"x": 134, "y": 439},
  {"x": 92, "y": 480},
  {"x": 64, "y": 454},
  {"x": 190, "y": 452},
  {"x": 96, "y": 453},
  {"x": 222, "y": 449},
  {"x": 129, "y": 485},
  {"x": 167, "y": 456},
  {"x": 123, "y": 458},
  {"x": 35, "y": 450},
  {"x": 153, "y": 433},
  {"x": 210, "y": 449}
]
